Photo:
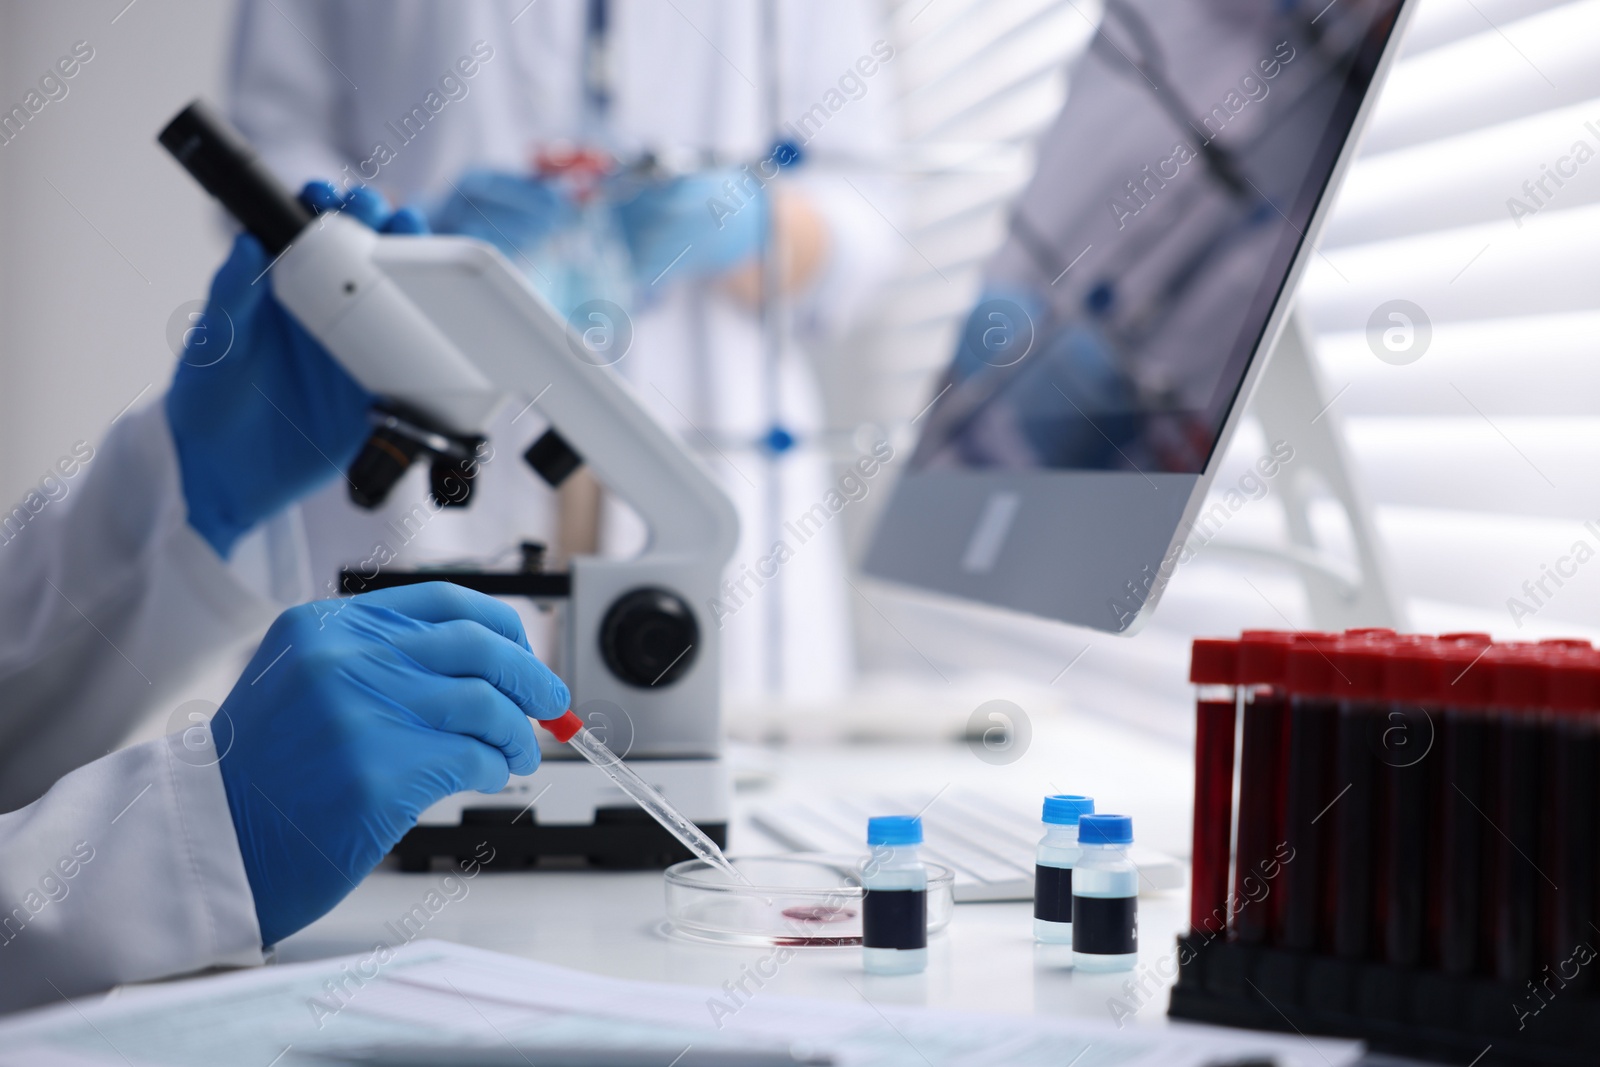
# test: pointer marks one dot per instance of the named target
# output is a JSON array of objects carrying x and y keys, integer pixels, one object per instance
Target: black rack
[
  {"x": 1407, "y": 1011},
  {"x": 618, "y": 839}
]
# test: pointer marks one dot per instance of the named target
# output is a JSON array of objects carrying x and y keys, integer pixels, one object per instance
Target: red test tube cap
[
  {"x": 1213, "y": 661},
  {"x": 1467, "y": 680},
  {"x": 1566, "y": 642},
  {"x": 1517, "y": 677},
  {"x": 1359, "y": 662},
  {"x": 1263, "y": 657},
  {"x": 1413, "y": 673},
  {"x": 1310, "y": 671},
  {"x": 565, "y": 727},
  {"x": 1573, "y": 685}
]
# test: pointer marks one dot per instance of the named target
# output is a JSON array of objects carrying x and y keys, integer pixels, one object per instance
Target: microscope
[{"x": 445, "y": 331}]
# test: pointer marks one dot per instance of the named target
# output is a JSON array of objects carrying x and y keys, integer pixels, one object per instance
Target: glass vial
[
  {"x": 894, "y": 906},
  {"x": 1105, "y": 896},
  {"x": 1052, "y": 871}
]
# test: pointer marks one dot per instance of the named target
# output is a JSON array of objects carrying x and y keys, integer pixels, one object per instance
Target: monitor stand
[{"x": 1293, "y": 405}]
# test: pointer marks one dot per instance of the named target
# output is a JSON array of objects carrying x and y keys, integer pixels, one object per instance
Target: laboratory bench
[{"x": 612, "y": 922}]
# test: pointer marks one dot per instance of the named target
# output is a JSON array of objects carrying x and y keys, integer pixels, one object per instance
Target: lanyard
[{"x": 597, "y": 64}]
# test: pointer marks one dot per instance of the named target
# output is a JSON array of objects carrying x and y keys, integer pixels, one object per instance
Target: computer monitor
[{"x": 1148, "y": 268}]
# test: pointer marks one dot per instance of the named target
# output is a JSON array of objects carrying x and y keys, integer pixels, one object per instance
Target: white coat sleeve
[
  {"x": 109, "y": 604},
  {"x": 126, "y": 867},
  {"x": 126, "y": 870}
]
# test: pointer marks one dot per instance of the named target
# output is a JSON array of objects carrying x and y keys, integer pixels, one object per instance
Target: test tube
[
  {"x": 1517, "y": 677},
  {"x": 1359, "y": 661},
  {"x": 1571, "y": 773},
  {"x": 1263, "y": 656},
  {"x": 1213, "y": 665},
  {"x": 1412, "y": 673},
  {"x": 1313, "y": 685},
  {"x": 1465, "y": 692}
]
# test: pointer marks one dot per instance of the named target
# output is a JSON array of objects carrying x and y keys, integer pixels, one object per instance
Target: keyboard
[{"x": 987, "y": 844}]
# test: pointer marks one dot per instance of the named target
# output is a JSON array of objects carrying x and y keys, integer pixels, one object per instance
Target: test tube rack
[{"x": 1412, "y": 856}]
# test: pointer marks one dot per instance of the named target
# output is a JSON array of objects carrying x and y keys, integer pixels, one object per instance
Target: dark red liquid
[
  {"x": 1213, "y": 815},
  {"x": 818, "y": 913},
  {"x": 1408, "y": 768},
  {"x": 1313, "y": 723},
  {"x": 1360, "y": 732},
  {"x": 1572, "y": 766},
  {"x": 1517, "y": 851},
  {"x": 1261, "y": 783},
  {"x": 1463, "y": 739}
]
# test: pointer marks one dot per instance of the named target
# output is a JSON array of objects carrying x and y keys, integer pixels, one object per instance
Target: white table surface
[{"x": 611, "y": 922}]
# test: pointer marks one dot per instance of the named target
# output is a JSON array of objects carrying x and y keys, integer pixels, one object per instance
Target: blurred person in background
[{"x": 620, "y": 151}]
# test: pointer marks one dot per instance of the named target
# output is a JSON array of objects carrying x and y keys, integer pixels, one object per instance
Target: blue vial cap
[
  {"x": 894, "y": 830},
  {"x": 1105, "y": 830},
  {"x": 1065, "y": 808}
]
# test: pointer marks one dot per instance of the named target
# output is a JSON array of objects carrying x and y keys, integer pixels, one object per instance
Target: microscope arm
[
  {"x": 420, "y": 305},
  {"x": 446, "y": 330}
]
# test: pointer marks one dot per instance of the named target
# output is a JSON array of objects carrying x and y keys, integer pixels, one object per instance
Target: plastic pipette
[{"x": 570, "y": 730}]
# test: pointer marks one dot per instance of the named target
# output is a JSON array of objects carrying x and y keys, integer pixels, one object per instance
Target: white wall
[{"x": 85, "y": 298}]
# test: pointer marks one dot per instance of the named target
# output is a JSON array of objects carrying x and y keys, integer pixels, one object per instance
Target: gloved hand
[
  {"x": 356, "y": 715},
  {"x": 1007, "y": 325},
  {"x": 260, "y": 413},
  {"x": 512, "y": 212},
  {"x": 692, "y": 226}
]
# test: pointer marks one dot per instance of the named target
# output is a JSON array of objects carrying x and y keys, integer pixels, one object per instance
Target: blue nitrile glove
[
  {"x": 693, "y": 226},
  {"x": 260, "y": 413},
  {"x": 356, "y": 715},
  {"x": 510, "y": 211},
  {"x": 1007, "y": 325}
]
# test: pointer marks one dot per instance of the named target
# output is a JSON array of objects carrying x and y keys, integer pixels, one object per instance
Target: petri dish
[{"x": 805, "y": 899}]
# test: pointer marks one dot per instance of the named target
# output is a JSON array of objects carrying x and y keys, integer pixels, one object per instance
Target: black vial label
[
  {"x": 1052, "y": 894},
  {"x": 1105, "y": 926},
  {"x": 894, "y": 918}
]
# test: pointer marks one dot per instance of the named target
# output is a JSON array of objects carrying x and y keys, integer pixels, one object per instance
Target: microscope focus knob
[{"x": 648, "y": 637}]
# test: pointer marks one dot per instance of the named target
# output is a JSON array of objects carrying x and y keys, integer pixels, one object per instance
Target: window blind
[{"x": 1480, "y": 460}]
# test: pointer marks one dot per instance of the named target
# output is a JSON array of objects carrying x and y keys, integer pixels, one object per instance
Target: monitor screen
[{"x": 1145, "y": 255}]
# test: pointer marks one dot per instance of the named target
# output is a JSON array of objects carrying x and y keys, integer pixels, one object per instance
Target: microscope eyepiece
[{"x": 227, "y": 167}]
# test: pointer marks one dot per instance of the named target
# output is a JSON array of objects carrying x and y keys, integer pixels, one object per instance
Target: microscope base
[
  {"x": 619, "y": 839},
  {"x": 569, "y": 813}
]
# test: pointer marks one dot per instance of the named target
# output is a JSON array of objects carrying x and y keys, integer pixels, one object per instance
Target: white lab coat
[
  {"x": 119, "y": 867},
  {"x": 316, "y": 87}
]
